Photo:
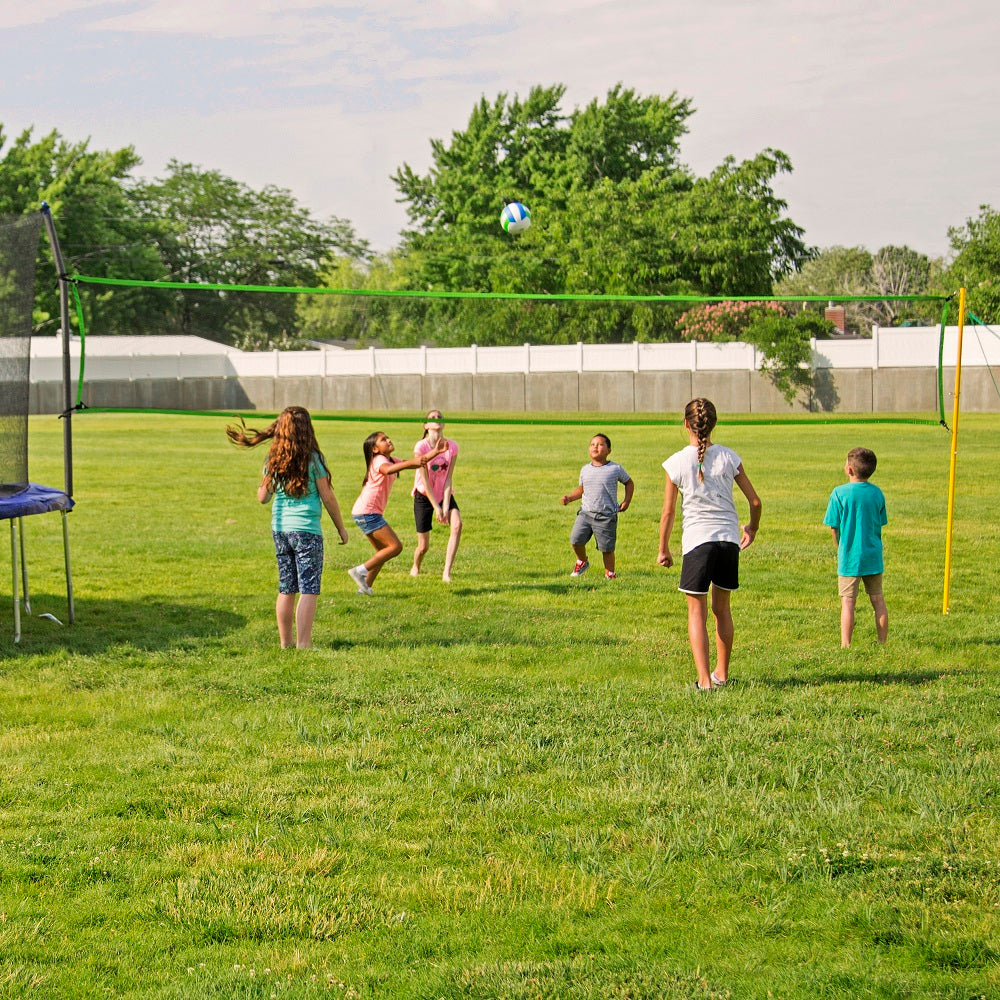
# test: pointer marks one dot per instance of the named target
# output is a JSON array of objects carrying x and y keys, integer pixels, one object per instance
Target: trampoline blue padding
[{"x": 34, "y": 500}]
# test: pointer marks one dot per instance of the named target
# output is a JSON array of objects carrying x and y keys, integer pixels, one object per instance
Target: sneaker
[
  {"x": 360, "y": 576},
  {"x": 716, "y": 683},
  {"x": 610, "y": 574},
  {"x": 581, "y": 567}
]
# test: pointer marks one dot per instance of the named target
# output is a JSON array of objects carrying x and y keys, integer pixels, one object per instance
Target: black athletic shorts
[
  {"x": 423, "y": 512},
  {"x": 715, "y": 563}
]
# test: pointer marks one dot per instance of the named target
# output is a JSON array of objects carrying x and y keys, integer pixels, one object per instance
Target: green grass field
[{"x": 505, "y": 787}]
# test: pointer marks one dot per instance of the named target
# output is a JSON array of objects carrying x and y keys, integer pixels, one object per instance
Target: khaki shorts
[{"x": 848, "y": 586}]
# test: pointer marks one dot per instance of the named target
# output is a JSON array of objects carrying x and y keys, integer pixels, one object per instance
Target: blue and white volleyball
[{"x": 515, "y": 217}]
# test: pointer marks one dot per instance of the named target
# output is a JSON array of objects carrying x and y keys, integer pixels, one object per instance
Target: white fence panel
[
  {"x": 724, "y": 357},
  {"x": 609, "y": 357},
  {"x": 254, "y": 364},
  {"x": 449, "y": 360},
  {"x": 490, "y": 360},
  {"x": 554, "y": 357},
  {"x": 667, "y": 357},
  {"x": 401, "y": 361},
  {"x": 300, "y": 362},
  {"x": 844, "y": 353}
]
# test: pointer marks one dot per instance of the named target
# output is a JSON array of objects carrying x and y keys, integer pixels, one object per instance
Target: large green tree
[
  {"x": 615, "y": 211},
  {"x": 213, "y": 229},
  {"x": 98, "y": 231},
  {"x": 976, "y": 265}
]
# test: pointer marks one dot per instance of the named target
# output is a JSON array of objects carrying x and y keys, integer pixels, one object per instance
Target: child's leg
[
  {"x": 305, "y": 615},
  {"x": 581, "y": 551},
  {"x": 724, "y": 631},
  {"x": 847, "y": 603},
  {"x": 455, "y": 521},
  {"x": 881, "y": 617},
  {"x": 609, "y": 561},
  {"x": 284, "y": 610},
  {"x": 387, "y": 546},
  {"x": 698, "y": 636},
  {"x": 423, "y": 544}
]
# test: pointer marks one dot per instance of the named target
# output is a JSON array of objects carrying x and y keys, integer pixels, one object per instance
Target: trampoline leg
[
  {"x": 24, "y": 569},
  {"x": 13, "y": 582},
  {"x": 69, "y": 572}
]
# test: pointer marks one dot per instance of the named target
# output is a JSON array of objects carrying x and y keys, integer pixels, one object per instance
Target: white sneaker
[
  {"x": 581, "y": 567},
  {"x": 360, "y": 576}
]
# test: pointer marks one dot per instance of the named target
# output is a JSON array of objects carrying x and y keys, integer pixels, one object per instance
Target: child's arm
[
  {"x": 575, "y": 495},
  {"x": 667, "y": 523},
  {"x": 423, "y": 486},
  {"x": 263, "y": 493},
  {"x": 629, "y": 490},
  {"x": 325, "y": 491},
  {"x": 746, "y": 487},
  {"x": 445, "y": 511},
  {"x": 392, "y": 467},
  {"x": 836, "y": 535}
]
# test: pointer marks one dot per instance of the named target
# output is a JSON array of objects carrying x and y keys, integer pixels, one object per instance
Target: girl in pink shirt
[
  {"x": 369, "y": 508},
  {"x": 432, "y": 494}
]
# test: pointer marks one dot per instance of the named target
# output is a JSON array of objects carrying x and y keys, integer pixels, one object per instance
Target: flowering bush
[{"x": 721, "y": 321}]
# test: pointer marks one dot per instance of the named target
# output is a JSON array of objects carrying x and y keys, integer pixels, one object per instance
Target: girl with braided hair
[{"x": 703, "y": 474}]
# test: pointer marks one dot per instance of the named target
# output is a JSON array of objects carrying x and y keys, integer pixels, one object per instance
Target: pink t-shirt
[
  {"x": 375, "y": 492},
  {"x": 436, "y": 471}
]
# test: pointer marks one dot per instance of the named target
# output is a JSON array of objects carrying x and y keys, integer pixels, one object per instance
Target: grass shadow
[
  {"x": 105, "y": 624},
  {"x": 913, "y": 678}
]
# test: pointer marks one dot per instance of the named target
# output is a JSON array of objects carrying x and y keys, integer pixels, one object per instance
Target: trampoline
[{"x": 20, "y": 498}]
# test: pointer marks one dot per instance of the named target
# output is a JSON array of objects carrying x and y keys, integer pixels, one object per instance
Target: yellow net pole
[{"x": 954, "y": 452}]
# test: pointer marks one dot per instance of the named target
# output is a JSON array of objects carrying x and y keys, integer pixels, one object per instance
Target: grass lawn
[{"x": 503, "y": 787}]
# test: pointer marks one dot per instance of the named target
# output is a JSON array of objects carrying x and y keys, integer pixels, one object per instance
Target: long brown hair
[
  {"x": 293, "y": 442},
  {"x": 368, "y": 447},
  {"x": 701, "y": 417}
]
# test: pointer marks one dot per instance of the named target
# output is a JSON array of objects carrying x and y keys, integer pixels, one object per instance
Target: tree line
[{"x": 615, "y": 211}]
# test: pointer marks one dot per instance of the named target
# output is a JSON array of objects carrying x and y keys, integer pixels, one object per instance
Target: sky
[{"x": 890, "y": 112}]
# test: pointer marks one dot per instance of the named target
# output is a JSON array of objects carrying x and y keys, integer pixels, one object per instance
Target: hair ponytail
[{"x": 701, "y": 418}]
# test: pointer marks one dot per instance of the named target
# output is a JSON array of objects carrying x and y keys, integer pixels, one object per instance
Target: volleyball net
[{"x": 409, "y": 317}]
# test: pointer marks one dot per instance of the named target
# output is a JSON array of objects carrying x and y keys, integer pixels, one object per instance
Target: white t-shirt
[{"x": 708, "y": 508}]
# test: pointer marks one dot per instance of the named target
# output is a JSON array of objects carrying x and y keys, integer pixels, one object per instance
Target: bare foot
[
  {"x": 414, "y": 571},
  {"x": 446, "y": 578}
]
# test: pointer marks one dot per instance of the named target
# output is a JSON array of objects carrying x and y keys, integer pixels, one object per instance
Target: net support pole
[
  {"x": 954, "y": 453},
  {"x": 57, "y": 256}
]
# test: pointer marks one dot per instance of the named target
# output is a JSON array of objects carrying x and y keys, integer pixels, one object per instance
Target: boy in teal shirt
[{"x": 855, "y": 514}]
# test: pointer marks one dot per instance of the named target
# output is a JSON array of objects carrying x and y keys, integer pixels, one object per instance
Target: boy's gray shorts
[{"x": 602, "y": 527}]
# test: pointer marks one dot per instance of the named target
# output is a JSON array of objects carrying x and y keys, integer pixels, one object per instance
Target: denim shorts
[
  {"x": 300, "y": 561},
  {"x": 370, "y": 522}
]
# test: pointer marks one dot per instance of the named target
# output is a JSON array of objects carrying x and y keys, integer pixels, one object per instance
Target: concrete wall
[{"x": 860, "y": 390}]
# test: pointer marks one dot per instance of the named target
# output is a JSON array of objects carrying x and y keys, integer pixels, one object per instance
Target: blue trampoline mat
[{"x": 34, "y": 500}]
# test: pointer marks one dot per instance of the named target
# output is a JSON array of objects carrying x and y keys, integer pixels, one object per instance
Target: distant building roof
[{"x": 124, "y": 346}]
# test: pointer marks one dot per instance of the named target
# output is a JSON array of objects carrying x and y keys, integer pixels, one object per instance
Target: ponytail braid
[{"x": 701, "y": 417}]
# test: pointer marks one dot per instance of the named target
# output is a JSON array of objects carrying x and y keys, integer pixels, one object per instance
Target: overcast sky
[{"x": 890, "y": 112}]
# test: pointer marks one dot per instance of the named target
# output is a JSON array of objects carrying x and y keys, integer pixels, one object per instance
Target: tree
[
  {"x": 215, "y": 230},
  {"x": 976, "y": 265},
  {"x": 783, "y": 338},
  {"x": 846, "y": 271},
  {"x": 614, "y": 210},
  {"x": 98, "y": 231}
]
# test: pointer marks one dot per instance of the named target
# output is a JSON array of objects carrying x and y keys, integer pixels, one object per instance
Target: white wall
[{"x": 134, "y": 358}]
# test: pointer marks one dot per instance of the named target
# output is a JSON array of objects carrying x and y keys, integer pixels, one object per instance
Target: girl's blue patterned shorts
[{"x": 300, "y": 561}]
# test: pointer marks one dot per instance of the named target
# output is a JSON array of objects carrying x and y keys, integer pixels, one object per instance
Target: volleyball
[{"x": 515, "y": 218}]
